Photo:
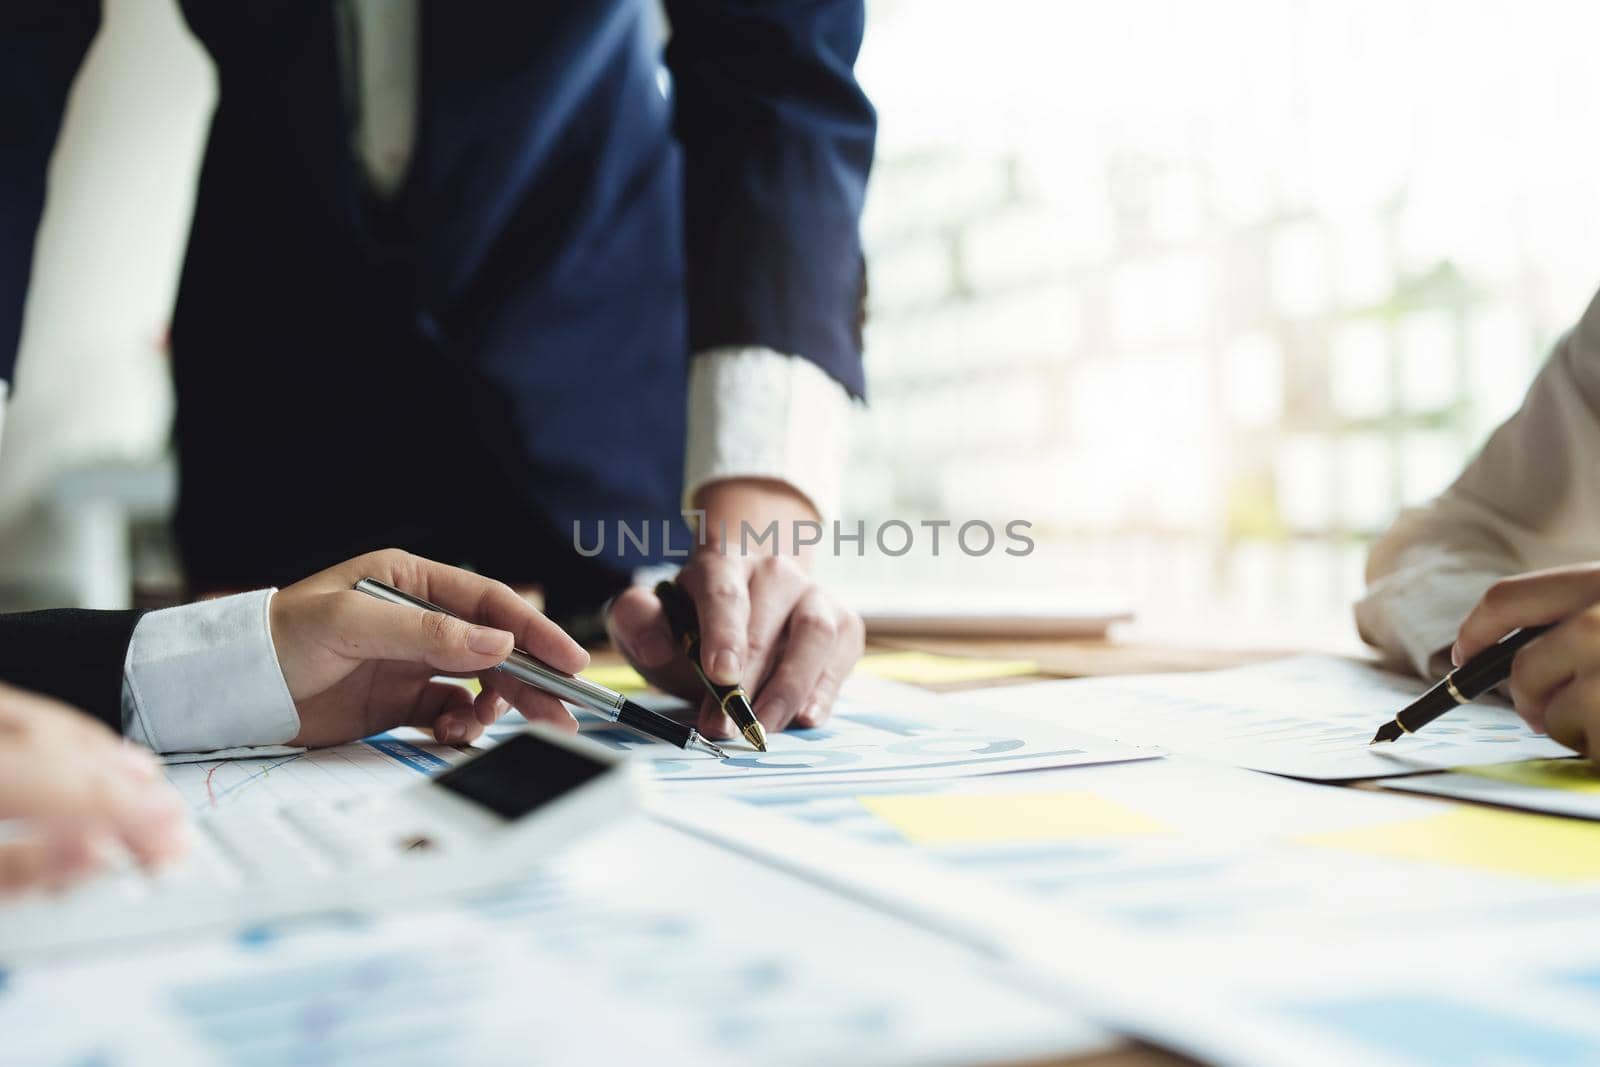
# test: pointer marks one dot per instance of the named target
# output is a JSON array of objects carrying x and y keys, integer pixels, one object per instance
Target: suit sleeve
[
  {"x": 42, "y": 44},
  {"x": 74, "y": 656},
  {"x": 777, "y": 140}
]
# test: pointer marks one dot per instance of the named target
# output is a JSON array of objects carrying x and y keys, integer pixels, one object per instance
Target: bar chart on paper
[
  {"x": 862, "y": 744},
  {"x": 540, "y": 973}
]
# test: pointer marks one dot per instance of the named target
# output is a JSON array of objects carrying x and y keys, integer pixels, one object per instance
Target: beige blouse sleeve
[{"x": 1529, "y": 500}]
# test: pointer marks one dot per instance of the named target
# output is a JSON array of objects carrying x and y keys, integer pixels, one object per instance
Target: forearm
[
  {"x": 777, "y": 142},
  {"x": 74, "y": 656},
  {"x": 1527, "y": 501},
  {"x": 1422, "y": 583}
]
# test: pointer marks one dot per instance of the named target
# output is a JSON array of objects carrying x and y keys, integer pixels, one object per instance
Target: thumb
[{"x": 373, "y": 630}]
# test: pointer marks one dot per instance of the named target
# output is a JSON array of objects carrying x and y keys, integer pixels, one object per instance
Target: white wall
[{"x": 92, "y": 383}]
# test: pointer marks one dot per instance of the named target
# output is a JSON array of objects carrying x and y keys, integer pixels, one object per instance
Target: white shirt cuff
[
  {"x": 1415, "y": 614},
  {"x": 756, "y": 413},
  {"x": 205, "y": 676}
]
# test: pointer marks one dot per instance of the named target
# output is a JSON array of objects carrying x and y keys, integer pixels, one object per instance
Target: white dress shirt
[
  {"x": 205, "y": 676},
  {"x": 1529, "y": 500}
]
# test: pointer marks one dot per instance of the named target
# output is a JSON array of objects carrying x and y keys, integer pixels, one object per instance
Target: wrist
[{"x": 756, "y": 517}]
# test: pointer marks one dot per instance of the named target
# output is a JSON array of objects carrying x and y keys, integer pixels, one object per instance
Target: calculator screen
[{"x": 520, "y": 774}]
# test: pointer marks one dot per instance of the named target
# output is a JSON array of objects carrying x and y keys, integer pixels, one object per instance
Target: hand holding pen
[
  {"x": 1542, "y": 630},
  {"x": 562, "y": 685},
  {"x": 766, "y": 625},
  {"x": 732, "y": 699}
]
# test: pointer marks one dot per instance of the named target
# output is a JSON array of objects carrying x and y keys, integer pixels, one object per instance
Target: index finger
[
  {"x": 1526, "y": 600},
  {"x": 484, "y": 600}
]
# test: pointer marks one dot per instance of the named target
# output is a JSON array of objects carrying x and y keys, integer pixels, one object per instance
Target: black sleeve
[
  {"x": 777, "y": 142},
  {"x": 74, "y": 656},
  {"x": 42, "y": 43}
]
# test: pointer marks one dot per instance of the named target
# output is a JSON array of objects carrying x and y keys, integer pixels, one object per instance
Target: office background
[{"x": 1204, "y": 292}]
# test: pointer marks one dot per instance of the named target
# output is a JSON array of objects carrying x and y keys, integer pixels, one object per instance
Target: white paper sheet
[
  {"x": 379, "y": 764},
  {"x": 645, "y": 945},
  {"x": 1523, "y": 993},
  {"x": 1579, "y": 798},
  {"x": 1307, "y": 716},
  {"x": 881, "y": 731},
  {"x": 1163, "y": 848}
]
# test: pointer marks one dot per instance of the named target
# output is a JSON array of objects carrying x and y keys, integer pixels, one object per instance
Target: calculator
[{"x": 484, "y": 822}]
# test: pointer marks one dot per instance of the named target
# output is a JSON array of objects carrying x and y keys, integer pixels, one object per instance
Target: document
[
  {"x": 379, "y": 764},
  {"x": 645, "y": 945},
  {"x": 880, "y": 731},
  {"x": 1307, "y": 716},
  {"x": 1523, "y": 992},
  {"x": 1558, "y": 786},
  {"x": 1177, "y": 847}
]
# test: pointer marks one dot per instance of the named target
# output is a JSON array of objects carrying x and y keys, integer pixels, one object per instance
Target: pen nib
[
  {"x": 1388, "y": 732},
  {"x": 755, "y": 735},
  {"x": 700, "y": 744}
]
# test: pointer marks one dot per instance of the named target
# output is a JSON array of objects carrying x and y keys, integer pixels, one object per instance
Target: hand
[
  {"x": 77, "y": 786},
  {"x": 357, "y": 665},
  {"x": 1555, "y": 679},
  {"x": 764, "y": 621}
]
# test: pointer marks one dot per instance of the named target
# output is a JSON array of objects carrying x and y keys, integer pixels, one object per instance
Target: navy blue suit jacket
[{"x": 513, "y": 327}]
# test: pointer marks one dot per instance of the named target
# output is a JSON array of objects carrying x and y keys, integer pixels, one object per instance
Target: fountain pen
[
  {"x": 685, "y": 623},
  {"x": 573, "y": 688},
  {"x": 1463, "y": 685}
]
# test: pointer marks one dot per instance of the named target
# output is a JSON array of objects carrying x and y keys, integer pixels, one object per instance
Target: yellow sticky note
[
  {"x": 1537, "y": 846},
  {"x": 1574, "y": 775},
  {"x": 620, "y": 676},
  {"x": 927, "y": 668},
  {"x": 955, "y": 818}
]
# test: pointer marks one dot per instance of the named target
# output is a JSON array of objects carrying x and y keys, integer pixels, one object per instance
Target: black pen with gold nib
[
  {"x": 573, "y": 688},
  {"x": 685, "y": 623},
  {"x": 1463, "y": 685}
]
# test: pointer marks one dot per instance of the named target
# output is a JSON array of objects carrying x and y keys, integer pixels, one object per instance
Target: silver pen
[{"x": 572, "y": 688}]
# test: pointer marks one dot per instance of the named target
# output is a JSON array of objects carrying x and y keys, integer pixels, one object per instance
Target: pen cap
[{"x": 680, "y": 611}]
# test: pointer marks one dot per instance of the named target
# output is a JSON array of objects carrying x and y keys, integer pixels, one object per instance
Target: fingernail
[
  {"x": 815, "y": 714},
  {"x": 1455, "y": 654},
  {"x": 451, "y": 732},
  {"x": 725, "y": 667},
  {"x": 722, "y": 728},
  {"x": 486, "y": 641},
  {"x": 775, "y": 712}
]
